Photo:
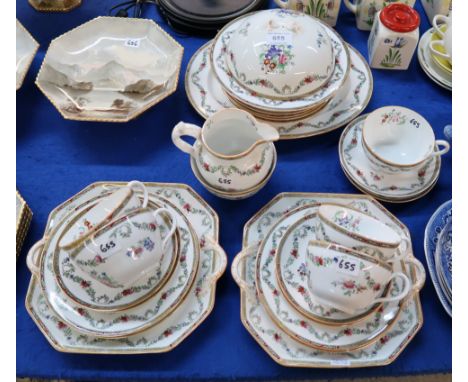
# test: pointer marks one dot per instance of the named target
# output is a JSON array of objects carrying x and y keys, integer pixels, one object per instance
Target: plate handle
[
  {"x": 33, "y": 258},
  {"x": 235, "y": 267}
]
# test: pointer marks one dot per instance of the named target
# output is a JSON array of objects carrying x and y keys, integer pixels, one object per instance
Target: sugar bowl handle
[
  {"x": 282, "y": 3},
  {"x": 34, "y": 257},
  {"x": 352, "y": 7},
  {"x": 182, "y": 129}
]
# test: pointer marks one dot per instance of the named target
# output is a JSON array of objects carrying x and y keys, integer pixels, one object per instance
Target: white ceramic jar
[
  {"x": 394, "y": 37},
  {"x": 326, "y": 10},
  {"x": 436, "y": 7},
  {"x": 366, "y": 10}
]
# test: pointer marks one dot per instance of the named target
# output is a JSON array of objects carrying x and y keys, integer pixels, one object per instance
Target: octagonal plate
[
  {"x": 173, "y": 330},
  {"x": 54, "y": 5},
  {"x": 26, "y": 49},
  {"x": 110, "y": 69},
  {"x": 282, "y": 348}
]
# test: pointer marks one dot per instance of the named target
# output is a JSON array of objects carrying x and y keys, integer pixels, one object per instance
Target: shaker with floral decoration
[{"x": 394, "y": 37}]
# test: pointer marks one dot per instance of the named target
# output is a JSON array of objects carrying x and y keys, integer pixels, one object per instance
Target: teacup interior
[
  {"x": 231, "y": 134},
  {"x": 398, "y": 135},
  {"x": 358, "y": 223}
]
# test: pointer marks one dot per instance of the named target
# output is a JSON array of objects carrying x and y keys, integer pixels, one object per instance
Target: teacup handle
[
  {"x": 435, "y": 23},
  {"x": 420, "y": 273},
  {"x": 444, "y": 150},
  {"x": 241, "y": 257},
  {"x": 34, "y": 257},
  {"x": 182, "y": 129},
  {"x": 135, "y": 185},
  {"x": 352, "y": 7},
  {"x": 220, "y": 260},
  {"x": 404, "y": 252},
  {"x": 161, "y": 211},
  {"x": 402, "y": 294},
  {"x": 282, "y": 3},
  {"x": 432, "y": 47}
]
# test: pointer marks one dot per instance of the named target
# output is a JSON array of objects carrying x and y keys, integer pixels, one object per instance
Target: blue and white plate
[
  {"x": 439, "y": 220},
  {"x": 444, "y": 255}
]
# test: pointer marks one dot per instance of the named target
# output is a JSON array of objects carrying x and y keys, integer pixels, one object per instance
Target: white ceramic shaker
[{"x": 394, "y": 37}]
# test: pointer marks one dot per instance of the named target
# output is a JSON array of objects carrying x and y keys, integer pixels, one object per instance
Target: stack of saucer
[
  {"x": 23, "y": 219},
  {"x": 379, "y": 157},
  {"x": 284, "y": 67},
  {"x": 438, "y": 248},
  {"x": 125, "y": 268},
  {"x": 328, "y": 281}
]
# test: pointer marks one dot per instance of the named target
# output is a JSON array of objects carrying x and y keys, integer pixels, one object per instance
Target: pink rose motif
[
  {"x": 349, "y": 284},
  {"x": 283, "y": 59}
]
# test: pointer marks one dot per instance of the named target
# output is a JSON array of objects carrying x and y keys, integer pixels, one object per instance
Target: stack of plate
[
  {"x": 199, "y": 16},
  {"x": 284, "y": 67},
  {"x": 437, "y": 69},
  {"x": 23, "y": 219},
  {"x": 438, "y": 248},
  {"x": 281, "y": 313},
  {"x": 80, "y": 312}
]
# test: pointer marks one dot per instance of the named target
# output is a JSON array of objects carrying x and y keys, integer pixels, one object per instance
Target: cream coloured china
[
  {"x": 394, "y": 37},
  {"x": 230, "y": 85},
  {"x": 233, "y": 151},
  {"x": 207, "y": 97},
  {"x": 292, "y": 276},
  {"x": 352, "y": 281},
  {"x": 326, "y": 10},
  {"x": 354, "y": 229},
  {"x": 314, "y": 334},
  {"x": 125, "y": 250},
  {"x": 128, "y": 321},
  {"x": 274, "y": 340},
  {"x": 428, "y": 64},
  {"x": 280, "y": 54},
  {"x": 401, "y": 187},
  {"x": 436, "y": 7},
  {"x": 23, "y": 219},
  {"x": 26, "y": 48},
  {"x": 442, "y": 48},
  {"x": 388, "y": 137},
  {"x": 171, "y": 331},
  {"x": 54, "y": 5},
  {"x": 366, "y": 10},
  {"x": 231, "y": 195},
  {"x": 110, "y": 69},
  {"x": 115, "y": 205}
]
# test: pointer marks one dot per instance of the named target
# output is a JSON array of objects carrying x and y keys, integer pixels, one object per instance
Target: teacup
[
  {"x": 359, "y": 231},
  {"x": 326, "y": 10},
  {"x": 445, "y": 44},
  {"x": 121, "y": 252},
  {"x": 232, "y": 151},
  {"x": 351, "y": 281},
  {"x": 396, "y": 139},
  {"x": 366, "y": 10},
  {"x": 117, "y": 204}
]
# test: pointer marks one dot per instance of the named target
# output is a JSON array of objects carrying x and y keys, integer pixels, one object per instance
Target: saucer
[
  {"x": 85, "y": 291},
  {"x": 309, "y": 332},
  {"x": 396, "y": 188},
  {"x": 232, "y": 195},
  {"x": 207, "y": 97},
  {"x": 441, "y": 62},
  {"x": 292, "y": 276},
  {"x": 121, "y": 323},
  {"x": 287, "y": 351},
  {"x": 436, "y": 74},
  {"x": 434, "y": 227}
]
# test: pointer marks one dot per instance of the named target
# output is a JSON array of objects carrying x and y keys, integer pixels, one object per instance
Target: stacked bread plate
[
  {"x": 284, "y": 67},
  {"x": 125, "y": 268},
  {"x": 329, "y": 280}
]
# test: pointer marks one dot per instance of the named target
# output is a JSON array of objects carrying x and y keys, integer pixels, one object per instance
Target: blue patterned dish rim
[
  {"x": 434, "y": 227},
  {"x": 444, "y": 253}
]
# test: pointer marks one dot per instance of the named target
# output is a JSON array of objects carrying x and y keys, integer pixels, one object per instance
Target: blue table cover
[{"x": 57, "y": 158}]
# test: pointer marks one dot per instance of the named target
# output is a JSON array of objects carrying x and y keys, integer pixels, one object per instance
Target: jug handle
[
  {"x": 282, "y": 3},
  {"x": 188, "y": 129},
  {"x": 352, "y": 7}
]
